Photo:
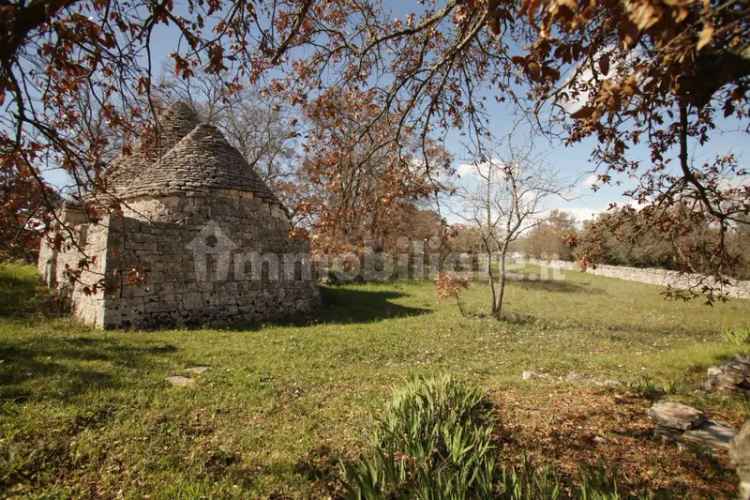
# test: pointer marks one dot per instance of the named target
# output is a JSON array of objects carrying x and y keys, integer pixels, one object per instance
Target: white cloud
[
  {"x": 466, "y": 169},
  {"x": 635, "y": 204},
  {"x": 591, "y": 180},
  {"x": 584, "y": 77},
  {"x": 481, "y": 168},
  {"x": 583, "y": 213}
]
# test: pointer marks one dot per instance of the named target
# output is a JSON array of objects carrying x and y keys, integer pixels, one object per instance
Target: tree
[
  {"x": 621, "y": 72},
  {"x": 504, "y": 203},
  {"x": 628, "y": 237},
  {"x": 410, "y": 223},
  {"x": 466, "y": 238},
  {"x": 23, "y": 219},
  {"x": 552, "y": 237},
  {"x": 659, "y": 73},
  {"x": 354, "y": 188},
  {"x": 618, "y": 238},
  {"x": 742, "y": 246}
]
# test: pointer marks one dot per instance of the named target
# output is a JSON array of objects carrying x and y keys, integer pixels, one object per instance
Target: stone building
[{"x": 187, "y": 234}]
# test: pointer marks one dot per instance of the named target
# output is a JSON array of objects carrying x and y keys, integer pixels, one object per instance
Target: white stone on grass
[
  {"x": 687, "y": 425},
  {"x": 529, "y": 375},
  {"x": 676, "y": 415},
  {"x": 180, "y": 381},
  {"x": 711, "y": 435},
  {"x": 732, "y": 376}
]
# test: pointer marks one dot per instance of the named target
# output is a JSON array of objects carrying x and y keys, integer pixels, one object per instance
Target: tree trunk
[
  {"x": 497, "y": 306},
  {"x": 491, "y": 278}
]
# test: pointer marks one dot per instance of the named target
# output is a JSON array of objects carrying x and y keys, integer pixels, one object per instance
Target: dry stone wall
[
  {"x": 61, "y": 267},
  {"x": 217, "y": 259},
  {"x": 652, "y": 276},
  {"x": 208, "y": 258},
  {"x": 174, "y": 124},
  {"x": 197, "y": 238},
  {"x": 221, "y": 167}
]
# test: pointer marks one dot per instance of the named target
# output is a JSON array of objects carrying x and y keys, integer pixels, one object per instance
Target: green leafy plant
[
  {"x": 598, "y": 483},
  {"x": 433, "y": 441},
  {"x": 646, "y": 387},
  {"x": 649, "y": 388},
  {"x": 527, "y": 482},
  {"x": 737, "y": 336}
]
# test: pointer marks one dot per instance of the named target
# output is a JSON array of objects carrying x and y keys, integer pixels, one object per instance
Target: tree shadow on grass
[
  {"x": 519, "y": 319},
  {"x": 346, "y": 305},
  {"x": 22, "y": 295},
  {"x": 57, "y": 368},
  {"x": 622, "y": 331},
  {"x": 321, "y": 466},
  {"x": 557, "y": 286},
  {"x": 343, "y": 305}
]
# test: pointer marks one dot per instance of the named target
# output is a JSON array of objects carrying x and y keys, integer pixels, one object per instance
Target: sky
[{"x": 572, "y": 162}]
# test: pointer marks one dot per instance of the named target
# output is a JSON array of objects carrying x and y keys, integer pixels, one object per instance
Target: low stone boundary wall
[{"x": 652, "y": 276}]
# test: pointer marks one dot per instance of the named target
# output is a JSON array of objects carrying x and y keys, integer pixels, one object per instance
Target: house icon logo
[{"x": 212, "y": 253}]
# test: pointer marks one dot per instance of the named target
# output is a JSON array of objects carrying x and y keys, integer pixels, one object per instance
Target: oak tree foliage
[{"x": 622, "y": 72}]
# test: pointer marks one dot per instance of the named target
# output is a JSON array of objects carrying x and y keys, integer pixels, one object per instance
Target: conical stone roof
[
  {"x": 172, "y": 124},
  {"x": 203, "y": 159},
  {"x": 183, "y": 155}
]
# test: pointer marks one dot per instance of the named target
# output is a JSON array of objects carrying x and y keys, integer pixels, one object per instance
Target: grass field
[{"x": 86, "y": 413}]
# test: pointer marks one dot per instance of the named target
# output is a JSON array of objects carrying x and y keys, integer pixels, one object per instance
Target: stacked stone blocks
[
  {"x": 662, "y": 277},
  {"x": 197, "y": 238}
]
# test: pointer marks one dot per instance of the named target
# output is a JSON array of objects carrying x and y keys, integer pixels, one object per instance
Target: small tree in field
[
  {"x": 652, "y": 72},
  {"x": 450, "y": 286},
  {"x": 503, "y": 198}
]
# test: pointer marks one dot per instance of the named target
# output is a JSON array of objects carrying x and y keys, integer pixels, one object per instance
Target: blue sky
[{"x": 572, "y": 162}]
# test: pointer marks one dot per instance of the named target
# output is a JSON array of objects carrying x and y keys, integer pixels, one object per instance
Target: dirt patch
[{"x": 575, "y": 428}]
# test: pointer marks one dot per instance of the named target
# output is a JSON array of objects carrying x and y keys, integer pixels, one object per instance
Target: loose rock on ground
[
  {"x": 687, "y": 425},
  {"x": 732, "y": 376}
]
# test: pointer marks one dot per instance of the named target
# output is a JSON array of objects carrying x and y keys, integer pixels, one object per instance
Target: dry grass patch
[{"x": 579, "y": 428}]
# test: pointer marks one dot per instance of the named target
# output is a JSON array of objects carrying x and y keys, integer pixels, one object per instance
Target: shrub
[
  {"x": 450, "y": 285},
  {"x": 648, "y": 388},
  {"x": 597, "y": 483},
  {"x": 433, "y": 441}
]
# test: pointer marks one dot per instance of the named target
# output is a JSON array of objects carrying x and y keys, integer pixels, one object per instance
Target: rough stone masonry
[{"x": 190, "y": 235}]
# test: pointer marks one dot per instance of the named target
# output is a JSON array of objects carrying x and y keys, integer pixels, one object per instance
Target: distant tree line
[
  {"x": 621, "y": 237},
  {"x": 630, "y": 238},
  {"x": 624, "y": 237},
  {"x": 379, "y": 91}
]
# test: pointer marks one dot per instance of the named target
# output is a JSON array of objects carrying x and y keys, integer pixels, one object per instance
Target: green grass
[{"x": 88, "y": 413}]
